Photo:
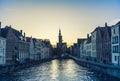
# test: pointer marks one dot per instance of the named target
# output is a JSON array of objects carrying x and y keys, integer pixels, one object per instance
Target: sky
[{"x": 43, "y": 18}]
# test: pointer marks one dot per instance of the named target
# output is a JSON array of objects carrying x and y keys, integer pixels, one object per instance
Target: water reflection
[{"x": 56, "y": 70}]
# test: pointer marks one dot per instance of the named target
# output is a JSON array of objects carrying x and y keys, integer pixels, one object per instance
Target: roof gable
[{"x": 4, "y": 32}]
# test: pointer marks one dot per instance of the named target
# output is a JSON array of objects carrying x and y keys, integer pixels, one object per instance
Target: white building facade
[
  {"x": 38, "y": 46},
  {"x": 31, "y": 49},
  {"x": 93, "y": 44},
  {"x": 115, "y": 44},
  {"x": 2, "y": 51},
  {"x": 84, "y": 49},
  {"x": 45, "y": 54},
  {"x": 89, "y": 50}
]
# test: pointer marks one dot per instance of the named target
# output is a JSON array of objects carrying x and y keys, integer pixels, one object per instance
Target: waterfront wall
[
  {"x": 106, "y": 69},
  {"x": 4, "y": 70}
]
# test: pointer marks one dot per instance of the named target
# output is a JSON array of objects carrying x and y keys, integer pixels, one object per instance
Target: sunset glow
[{"x": 42, "y": 18}]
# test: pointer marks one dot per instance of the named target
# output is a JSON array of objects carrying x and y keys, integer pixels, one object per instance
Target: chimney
[
  {"x": 21, "y": 32},
  {"x": 24, "y": 37},
  {"x": 0, "y": 24},
  {"x": 87, "y": 35},
  {"x": 24, "y": 34},
  {"x": 0, "y": 28},
  {"x": 10, "y": 26},
  {"x": 105, "y": 24}
]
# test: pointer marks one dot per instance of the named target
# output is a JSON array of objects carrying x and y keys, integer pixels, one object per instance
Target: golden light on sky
[{"x": 42, "y": 18}]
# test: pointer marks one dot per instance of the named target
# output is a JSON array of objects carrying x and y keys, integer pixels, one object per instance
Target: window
[
  {"x": 115, "y": 58},
  {"x": 115, "y": 49},
  {"x": 1, "y": 50},
  {"x": 113, "y": 31},
  {"x": 118, "y": 58},
  {"x": 114, "y": 39}
]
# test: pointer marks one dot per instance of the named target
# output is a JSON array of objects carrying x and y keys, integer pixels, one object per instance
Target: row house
[
  {"x": 39, "y": 49},
  {"x": 2, "y": 49},
  {"x": 81, "y": 47},
  {"x": 31, "y": 48},
  {"x": 83, "y": 53},
  {"x": 16, "y": 49},
  {"x": 49, "y": 48},
  {"x": 115, "y": 43},
  {"x": 42, "y": 50},
  {"x": 96, "y": 47},
  {"x": 75, "y": 50},
  {"x": 101, "y": 44},
  {"x": 11, "y": 41},
  {"x": 44, "y": 53},
  {"x": 35, "y": 46},
  {"x": 85, "y": 48},
  {"x": 46, "y": 50},
  {"x": 88, "y": 48},
  {"x": 70, "y": 50},
  {"x": 23, "y": 49}
]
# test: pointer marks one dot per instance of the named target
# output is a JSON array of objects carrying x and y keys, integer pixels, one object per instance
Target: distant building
[
  {"x": 38, "y": 47},
  {"x": 88, "y": 47},
  {"x": 75, "y": 50},
  {"x": 61, "y": 47},
  {"x": 2, "y": 49},
  {"x": 115, "y": 42},
  {"x": 80, "y": 48},
  {"x": 49, "y": 48},
  {"x": 31, "y": 48}
]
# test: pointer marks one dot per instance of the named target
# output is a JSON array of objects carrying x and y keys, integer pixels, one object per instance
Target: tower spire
[
  {"x": 59, "y": 32},
  {"x": 60, "y": 36}
]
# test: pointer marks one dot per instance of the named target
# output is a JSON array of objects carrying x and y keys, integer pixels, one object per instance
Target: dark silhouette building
[{"x": 61, "y": 46}]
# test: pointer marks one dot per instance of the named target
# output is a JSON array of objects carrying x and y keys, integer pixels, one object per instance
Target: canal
[{"x": 57, "y": 70}]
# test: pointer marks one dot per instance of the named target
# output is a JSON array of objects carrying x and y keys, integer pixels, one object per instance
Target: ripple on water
[{"x": 56, "y": 70}]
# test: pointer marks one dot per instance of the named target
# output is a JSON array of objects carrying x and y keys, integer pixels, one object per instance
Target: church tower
[
  {"x": 61, "y": 46},
  {"x": 60, "y": 37}
]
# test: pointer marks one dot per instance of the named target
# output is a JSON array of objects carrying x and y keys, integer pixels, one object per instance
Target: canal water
[{"x": 57, "y": 70}]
